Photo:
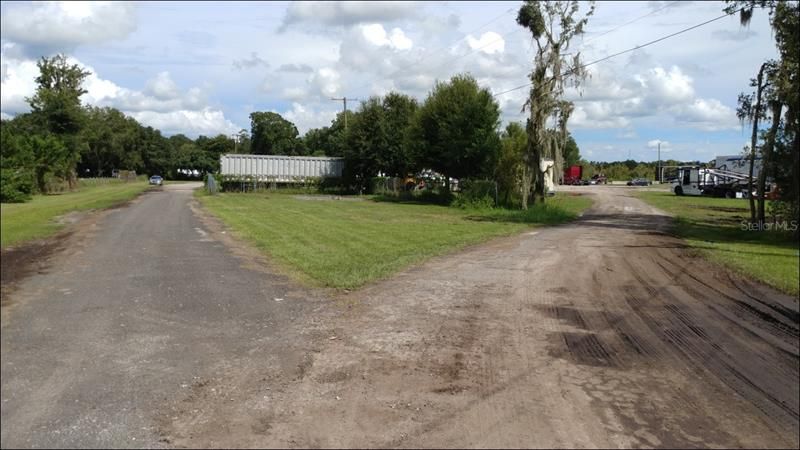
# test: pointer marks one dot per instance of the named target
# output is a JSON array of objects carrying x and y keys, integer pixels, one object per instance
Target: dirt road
[{"x": 600, "y": 333}]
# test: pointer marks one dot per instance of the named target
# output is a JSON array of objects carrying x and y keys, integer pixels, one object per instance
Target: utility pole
[
  {"x": 344, "y": 101},
  {"x": 658, "y": 167}
]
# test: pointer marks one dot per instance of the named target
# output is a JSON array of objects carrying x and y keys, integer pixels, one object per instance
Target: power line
[
  {"x": 506, "y": 35},
  {"x": 518, "y": 29},
  {"x": 630, "y": 22},
  {"x": 583, "y": 66}
]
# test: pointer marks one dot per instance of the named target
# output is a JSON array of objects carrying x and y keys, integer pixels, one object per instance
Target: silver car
[{"x": 156, "y": 180}]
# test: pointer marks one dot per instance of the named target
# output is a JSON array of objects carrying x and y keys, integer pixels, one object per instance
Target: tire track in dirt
[{"x": 686, "y": 336}]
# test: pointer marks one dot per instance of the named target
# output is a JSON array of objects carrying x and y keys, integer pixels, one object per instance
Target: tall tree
[
  {"x": 455, "y": 129},
  {"x": 271, "y": 134},
  {"x": 397, "y": 158},
  {"x": 751, "y": 109},
  {"x": 367, "y": 140},
  {"x": 56, "y": 105},
  {"x": 553, "y": 26},
  {"x": 57, "y": 98}
]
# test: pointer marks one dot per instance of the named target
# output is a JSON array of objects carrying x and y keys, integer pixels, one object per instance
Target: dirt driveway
[{"x": 600, "y": 333}]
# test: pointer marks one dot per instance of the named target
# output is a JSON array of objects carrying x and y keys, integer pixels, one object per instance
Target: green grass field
[
  {"x": 345, "y": 244},
  {"x": 37, "y": 218},
  {"x": 714, "y": 227}
]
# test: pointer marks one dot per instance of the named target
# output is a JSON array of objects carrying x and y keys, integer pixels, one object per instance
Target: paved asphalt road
[
  {"x": 153, "y": 328},
  {"x": 136, "y": 313}
]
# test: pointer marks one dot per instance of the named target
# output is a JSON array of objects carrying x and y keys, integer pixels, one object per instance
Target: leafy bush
[
  {"x": 16, "y": 185},
  {"x": 479, "y": 194}
]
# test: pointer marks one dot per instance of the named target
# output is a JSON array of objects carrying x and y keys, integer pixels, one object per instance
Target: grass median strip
[
  {"x": 714, "y": 226},
  {"x": 36, "y": 218},
  {"x": 347, "y": 243}
]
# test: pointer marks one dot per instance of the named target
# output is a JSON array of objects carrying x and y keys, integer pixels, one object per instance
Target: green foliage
[
  {"x": 57, "y": 99},
  {"x": 316, "y": 141},
  {"x": 367, "y": 138},
  {"x": 17, "y": 180},
  {"x": 397, "y": 157},
  {"x": 455, "y": 129},
  {"x": 110, "y": 142},
  {"x": 190, "y": 156},
  {"x": 273, "y": 135},
  {"x": 476, "y": 194},
  {"x": 571, "y": 152},
  {"x": 509, "y": 169}
]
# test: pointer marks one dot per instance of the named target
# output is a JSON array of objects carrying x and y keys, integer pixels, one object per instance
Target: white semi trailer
[{"x": 278, "y": 168}]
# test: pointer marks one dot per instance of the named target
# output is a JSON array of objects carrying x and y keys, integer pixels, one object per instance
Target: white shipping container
[{"x": 283, "y": 169}]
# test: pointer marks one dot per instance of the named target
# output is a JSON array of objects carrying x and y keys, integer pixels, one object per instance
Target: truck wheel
[{"x": 678, "y": 190}]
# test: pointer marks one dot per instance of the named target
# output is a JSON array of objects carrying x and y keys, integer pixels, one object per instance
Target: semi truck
[{"x": 573, "y": 175}]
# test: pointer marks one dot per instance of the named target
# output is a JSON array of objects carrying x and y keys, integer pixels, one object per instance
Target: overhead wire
[
  {"x": 506, "y": 35},
  {"x": 606, "y": 58}
]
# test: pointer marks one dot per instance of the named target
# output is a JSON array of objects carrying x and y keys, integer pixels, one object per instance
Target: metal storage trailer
[{"x": 283, "y": 169}]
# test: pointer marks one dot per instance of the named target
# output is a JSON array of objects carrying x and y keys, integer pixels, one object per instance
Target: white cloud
[
  {"x": 294, "y": 93},
  {"x": 347, "y": 13},
  {"x": 162, "y": 87},
  {"x": 612, "y": 100},
  {"x": 708, "y": 115},
  {"x": 161, "y": 104},
  {"x": 18, "y": 82},
  {"x": 205, "y": 121},
  {"x": 666, "y": 87},
  {"x": 376, "y": 35},
  {"x": 161, "y": 94},
  {"x": 326, "y": 81},
  {"x": 595, "y": 117},
  {"x": 306, "y": 118},
  {"x": 489, "y": 42},
  {"x": 47, "y": 27}
]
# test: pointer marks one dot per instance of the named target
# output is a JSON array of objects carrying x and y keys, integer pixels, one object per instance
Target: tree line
[{"x": 454, "y": 131}]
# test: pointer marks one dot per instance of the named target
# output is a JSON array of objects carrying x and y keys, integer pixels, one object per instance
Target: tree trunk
[
  {"x": 766, "y": 157},
  {"x": 753, "y": 140},
  {"x": 526, "y": 184}
]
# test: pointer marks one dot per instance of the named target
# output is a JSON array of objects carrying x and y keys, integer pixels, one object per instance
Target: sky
[{"x": 200, "y": 68}]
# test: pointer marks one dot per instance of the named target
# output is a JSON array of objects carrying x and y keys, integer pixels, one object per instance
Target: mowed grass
[
  {"x": 345, "y": 243},
  {"x": 714, "y": 227},
  {"x": 37, "y": 218}
]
